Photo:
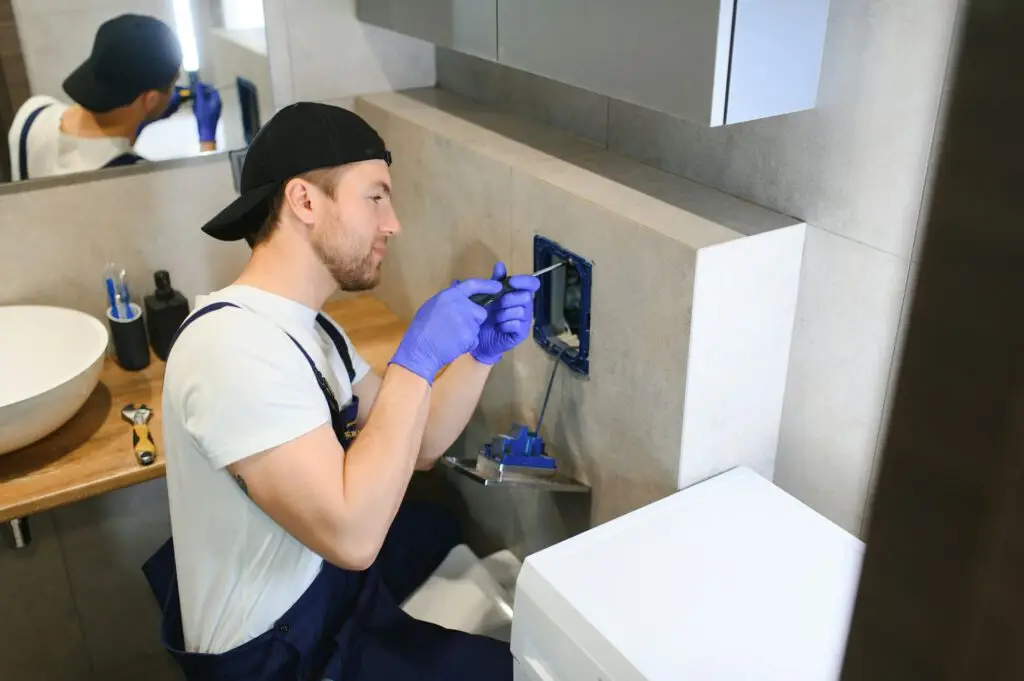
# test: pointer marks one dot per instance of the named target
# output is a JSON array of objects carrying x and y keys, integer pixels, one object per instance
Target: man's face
[{"x": 351, "y": 230}]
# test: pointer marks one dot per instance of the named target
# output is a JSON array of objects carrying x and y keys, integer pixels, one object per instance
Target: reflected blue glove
[
  {"x": 445, "y": 327},
  {"x": 508, "y": 318},
  {"x": 173, "y": 104},
  {"x": 206, "y": 106}
]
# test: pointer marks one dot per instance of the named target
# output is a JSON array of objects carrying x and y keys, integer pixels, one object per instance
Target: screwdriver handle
[{"x": 486, "y": 299}]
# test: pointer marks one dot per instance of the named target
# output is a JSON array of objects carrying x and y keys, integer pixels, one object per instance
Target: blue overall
[{"x": 347, "y": 626}]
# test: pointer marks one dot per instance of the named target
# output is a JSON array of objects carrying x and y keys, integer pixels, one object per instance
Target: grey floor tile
[
  {"x": 40, "y": 637},
  {"x": 157, "y": 667},
  {"x": 105, "y": 540}
]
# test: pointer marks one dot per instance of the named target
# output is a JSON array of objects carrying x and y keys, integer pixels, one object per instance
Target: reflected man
[{"x": 126, "y": 83}]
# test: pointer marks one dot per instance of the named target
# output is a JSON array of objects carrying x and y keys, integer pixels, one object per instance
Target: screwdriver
[{"x": 486, "y": 299}]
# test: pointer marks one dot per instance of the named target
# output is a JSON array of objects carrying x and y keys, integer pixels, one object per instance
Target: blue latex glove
[
  {"x": 508, "y": 318},
  {"x": 206, "y": 106},
  {"x": 445, "y": 327}
]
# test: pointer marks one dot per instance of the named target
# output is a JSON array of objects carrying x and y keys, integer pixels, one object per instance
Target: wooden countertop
[{"x": 92, "y": 453}]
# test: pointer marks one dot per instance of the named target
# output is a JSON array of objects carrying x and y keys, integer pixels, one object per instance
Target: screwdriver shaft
[{"x": 486, "y": 299}]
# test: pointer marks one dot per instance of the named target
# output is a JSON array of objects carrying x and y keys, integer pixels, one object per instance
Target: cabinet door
[
  {"x": 469, "y": 26},
  {"x": 777, "y": 48},
  {"x": 668, "y": 55}
]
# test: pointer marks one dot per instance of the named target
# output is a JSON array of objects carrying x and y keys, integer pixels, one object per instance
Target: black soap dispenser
[{"x": 166, "y": 309}]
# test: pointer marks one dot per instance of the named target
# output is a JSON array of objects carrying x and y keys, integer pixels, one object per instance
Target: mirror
[{"x": 91, "y": 84}]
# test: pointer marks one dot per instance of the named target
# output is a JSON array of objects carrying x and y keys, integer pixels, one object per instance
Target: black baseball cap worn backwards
[
  {"x": 299, "y": 138},
  {"x": 131, "y": 54}
]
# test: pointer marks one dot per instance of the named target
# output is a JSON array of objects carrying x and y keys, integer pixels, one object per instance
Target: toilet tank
[{"x": 731, "y": 579}]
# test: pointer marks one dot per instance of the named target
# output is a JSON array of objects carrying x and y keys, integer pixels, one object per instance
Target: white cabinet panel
[
  {"x": 709, "y": 61},
  {"x": 659, "y": 54}
]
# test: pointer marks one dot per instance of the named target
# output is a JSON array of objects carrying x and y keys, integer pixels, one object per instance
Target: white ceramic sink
[{"x": 50, "y": 361}]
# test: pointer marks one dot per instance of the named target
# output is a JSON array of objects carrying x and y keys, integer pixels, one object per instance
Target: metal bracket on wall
[
  {"x": 562, "y": 305},
  {"x": 469, "y": 468}
]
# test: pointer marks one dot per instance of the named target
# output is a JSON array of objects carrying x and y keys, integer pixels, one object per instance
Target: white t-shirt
[
  {"x": 52, "y": 152},
  {"x": 236, "y": 385}
]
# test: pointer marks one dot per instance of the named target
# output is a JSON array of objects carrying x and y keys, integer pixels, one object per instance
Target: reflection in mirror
[{"x": 152, "y": 80}]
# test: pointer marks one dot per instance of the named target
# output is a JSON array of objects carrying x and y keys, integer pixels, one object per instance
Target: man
[
  {"x": 126, "y": 83},
  {"x": 291, "y": 546}
]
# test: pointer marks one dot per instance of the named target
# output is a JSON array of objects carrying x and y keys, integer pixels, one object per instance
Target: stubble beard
[{"x": 352, "y": 273}]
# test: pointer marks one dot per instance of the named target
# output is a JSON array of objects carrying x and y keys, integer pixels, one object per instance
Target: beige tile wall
[
  {"x": 853, "y": 168},
  {"x": 468, "y": 195},
  {"x": 55, "y": 241}
]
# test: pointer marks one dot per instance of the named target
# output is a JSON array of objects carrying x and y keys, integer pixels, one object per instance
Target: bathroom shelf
[{"x": 555, "y": 483}]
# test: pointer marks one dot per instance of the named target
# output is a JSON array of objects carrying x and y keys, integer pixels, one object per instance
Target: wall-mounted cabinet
[
  {"x": 710, "y": 61},
  {"x": 469, "y": 26},
  {"x": 714, "y": 62}
]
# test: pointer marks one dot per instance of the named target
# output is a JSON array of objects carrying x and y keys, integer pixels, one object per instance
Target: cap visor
[
  {"x": 243, "y": 216},
  {"x": 83, "y": 87}
]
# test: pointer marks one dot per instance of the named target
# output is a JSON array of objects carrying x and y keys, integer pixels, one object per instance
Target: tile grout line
[
  {"x": 934, "y": 149},
  {"x": 74, "y": 596},
  {"x": 608, "y": 124}
]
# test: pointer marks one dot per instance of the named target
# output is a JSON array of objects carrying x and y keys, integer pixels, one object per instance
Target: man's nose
[{"x": 390, "y": 225}]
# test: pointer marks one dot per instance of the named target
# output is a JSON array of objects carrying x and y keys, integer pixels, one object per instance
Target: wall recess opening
[{"x": 562, "y": 305}]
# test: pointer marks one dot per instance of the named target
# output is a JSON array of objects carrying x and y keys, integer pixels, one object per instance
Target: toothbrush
[
  {"x": 112, "y": 296},
  {"x": 125, "y": 298}
]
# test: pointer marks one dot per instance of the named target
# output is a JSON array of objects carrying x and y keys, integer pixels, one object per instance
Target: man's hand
[
  {"x": 445, "y": 327},
  {"x": 508, "y": 318},
  {"x": 341, "y": 503},
  {"x": 206, "y": 106}
]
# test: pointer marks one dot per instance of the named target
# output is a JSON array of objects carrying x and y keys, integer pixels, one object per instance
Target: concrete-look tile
[
  {"x": 454, "y": 205},
  {"x": 74, "y": 231},
  {"x": 620, "y": 430},
  {"x": 723, "y": 209},
  {"x": 892, "y": 386},
  {"x": 105, "y": 541},
  {"x": 575, "y": 110},
  {"x": 501, "y": 136},
  {"x": 279, "y": 54},
  {"x": 157, "y": 8},
  {"x": 72, "y": 26},
  {"x": 74, "y": 31},
  {"x": 847, "y": 317},
  {"x": 40, "y": 636},
  {"x": 159, "y": 667},
  {"x": 466, "y": 75},
  {"x": 361, "y": 58},
  {"x": 856, "y": 164},
  {"x": 682, "y": 226}
]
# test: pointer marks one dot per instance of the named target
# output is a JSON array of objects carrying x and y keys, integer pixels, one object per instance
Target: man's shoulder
[
  {"x": 30, "y": 105},
  {"x": 37, "y": 102},
  {"x": 231, "y": 336}
]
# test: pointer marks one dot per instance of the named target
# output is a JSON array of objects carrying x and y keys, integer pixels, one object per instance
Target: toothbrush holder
[{"x": 131, "y": 345}]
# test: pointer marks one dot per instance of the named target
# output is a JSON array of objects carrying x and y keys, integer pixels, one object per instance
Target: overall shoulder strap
[
  {"x": 325, "y": 388},
  {"x": 23, "y": 142},
  {"x": 339, "y": 342},
  {"x": 212, "y": 307},
  {"x": 128, "y": 158}
]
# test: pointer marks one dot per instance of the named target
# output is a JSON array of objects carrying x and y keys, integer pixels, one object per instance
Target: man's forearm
[
  {"x": 380, "y": 463},
  {"x": 454, "y": 398}
]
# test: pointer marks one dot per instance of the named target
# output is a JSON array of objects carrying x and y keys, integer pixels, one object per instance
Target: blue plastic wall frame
[{"x": 544, "y": 252}]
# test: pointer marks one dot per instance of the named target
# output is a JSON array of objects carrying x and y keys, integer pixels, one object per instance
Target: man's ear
[
  {"x": 298, "y": 195},
  {"x": 150, "y": 100}
]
